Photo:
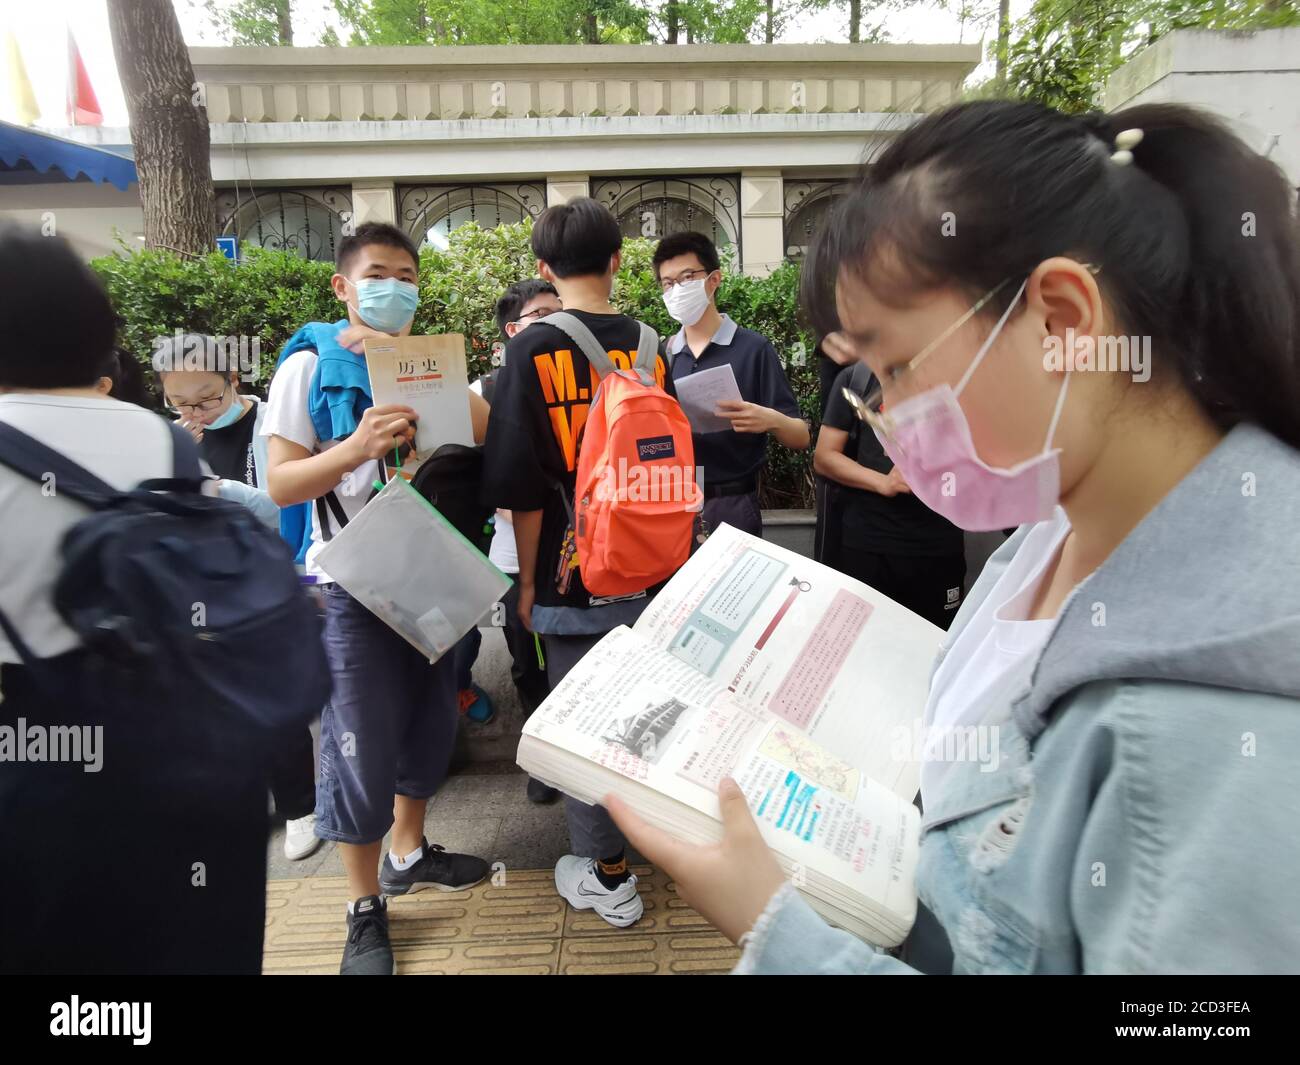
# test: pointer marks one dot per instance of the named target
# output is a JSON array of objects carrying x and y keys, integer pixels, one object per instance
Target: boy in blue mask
[{"x": 389, "y": 729}]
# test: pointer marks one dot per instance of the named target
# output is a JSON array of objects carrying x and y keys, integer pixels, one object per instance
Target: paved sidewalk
[
  {"x": 515, "y": 922},
  {"x": 482, "y": 810}
]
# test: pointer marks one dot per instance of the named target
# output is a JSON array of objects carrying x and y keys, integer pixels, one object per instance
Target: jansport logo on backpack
[
  {"x": 637, "y": 488},
  {"x": 657, "y": 447}
]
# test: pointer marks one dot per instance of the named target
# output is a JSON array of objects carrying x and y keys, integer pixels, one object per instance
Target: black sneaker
[
  {"x": 436, "y": 868},
  {"x": 368, "y": 952},
  {"x": 539, "y": 792}
]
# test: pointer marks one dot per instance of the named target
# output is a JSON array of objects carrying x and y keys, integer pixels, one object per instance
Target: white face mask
[{"x": 687, "y": 301}]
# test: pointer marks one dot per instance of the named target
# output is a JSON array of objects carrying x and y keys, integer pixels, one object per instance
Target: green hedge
[{"x": 270, "y": 294}]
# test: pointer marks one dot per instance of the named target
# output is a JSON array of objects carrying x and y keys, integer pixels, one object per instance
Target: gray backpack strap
[
  {"x": 581, "y": 335},
  {"x": 647, "y": 350}
]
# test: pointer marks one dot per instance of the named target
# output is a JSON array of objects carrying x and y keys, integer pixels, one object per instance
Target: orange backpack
[{"x": 636, "y": 496}]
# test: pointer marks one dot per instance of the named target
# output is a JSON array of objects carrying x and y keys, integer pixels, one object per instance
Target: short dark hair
[
  {"x": 128, "y": 378},
  {"x": 687, "y": 243},
  {"x": 518, "y": 296},
  {"x": 55, "y": 317},
  {"x": 373, "y": 233},
  {"x": 576, "y": 239}
]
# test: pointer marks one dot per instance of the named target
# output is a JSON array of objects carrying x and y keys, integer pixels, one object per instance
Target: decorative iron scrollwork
[
  {"x": 655, "y": 207},
  {"x": 307, "y": 221},
  {"x": 806, "y": 204},
  {"x": 430, "y": 212}
]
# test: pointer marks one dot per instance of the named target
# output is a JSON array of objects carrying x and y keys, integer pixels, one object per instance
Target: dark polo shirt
[{"x": 731, "y": 456}]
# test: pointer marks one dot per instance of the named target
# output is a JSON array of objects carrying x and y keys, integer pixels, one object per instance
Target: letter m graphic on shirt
[{"x": 560, "y": 390}]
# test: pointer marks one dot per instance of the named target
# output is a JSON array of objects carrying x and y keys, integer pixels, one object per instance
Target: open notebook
[{"x": 802, "y": 684}]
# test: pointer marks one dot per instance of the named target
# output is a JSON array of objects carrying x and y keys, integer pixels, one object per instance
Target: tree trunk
[
  {"x": 673, "y": 17},
  {"x": 169, "y": 125},
  {"x": 768, "y": 35},
  {"x": 855, "y": 21},
  {"x": 590, "y": 33},
  {"x": 1004, "y": 40},
  {"x": 285, "y": 16}
]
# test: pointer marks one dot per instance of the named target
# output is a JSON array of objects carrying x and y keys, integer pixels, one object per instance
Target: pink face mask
[{"x": 930, "y": 442}]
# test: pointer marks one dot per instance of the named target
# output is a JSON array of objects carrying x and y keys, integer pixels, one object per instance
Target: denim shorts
[{"x": 389, "y": 727}]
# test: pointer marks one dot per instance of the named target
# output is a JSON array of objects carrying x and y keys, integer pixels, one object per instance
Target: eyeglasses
[
  {"x": 541, "y": 312},
  {"x": 869, "y": 408},
  {"x": 202, "y": 407},
  {"x": 686, "y": 275}
]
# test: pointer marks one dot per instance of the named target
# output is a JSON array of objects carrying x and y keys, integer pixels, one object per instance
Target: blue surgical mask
[
  {"x": 387, "y": 304},
  {"x": 230, "y": 415}
]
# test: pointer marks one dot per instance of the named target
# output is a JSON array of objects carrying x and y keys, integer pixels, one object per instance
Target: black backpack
[
  {"x": 451, "y": 479},
  {"x": 182, "y": 601}
]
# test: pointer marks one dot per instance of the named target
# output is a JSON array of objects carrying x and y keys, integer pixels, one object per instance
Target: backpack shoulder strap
[
  {"x": 582, "y": 336},
  {"x": 27, "y": 456},
  {"x": 647, "y": 351},
  {"x": 860, "y": 378}
]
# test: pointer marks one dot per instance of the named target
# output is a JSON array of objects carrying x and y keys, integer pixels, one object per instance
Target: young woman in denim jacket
[{"x": 1136, "y": 643}]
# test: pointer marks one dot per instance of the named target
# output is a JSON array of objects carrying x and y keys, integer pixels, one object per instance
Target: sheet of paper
[
  {"x": 700, "y": 393},
  {"x": 429, "y": 374}
]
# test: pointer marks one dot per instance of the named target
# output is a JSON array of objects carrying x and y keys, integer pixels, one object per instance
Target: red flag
[{"x": 83, "y": 106}]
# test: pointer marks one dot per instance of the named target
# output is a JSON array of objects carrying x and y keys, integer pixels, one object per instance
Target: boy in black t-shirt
[
  {"x": 884, "y": 536},
  {"x": 540, "y": 403}
]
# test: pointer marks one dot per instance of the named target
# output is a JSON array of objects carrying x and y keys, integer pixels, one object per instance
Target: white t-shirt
[
  {"x": 502, "y": 552},
  {"x": 119, "y": 443},
  {"x": 287, "y": 416},
  {"x": 995, "y": 639}
]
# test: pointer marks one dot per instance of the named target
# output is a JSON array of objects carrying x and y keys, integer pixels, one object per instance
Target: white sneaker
[
  {"x": 577, "y": 883},
  {"x": 300, "y": 838}
]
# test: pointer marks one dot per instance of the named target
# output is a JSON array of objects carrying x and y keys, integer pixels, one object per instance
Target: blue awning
[{"x": 42, "y": 151}]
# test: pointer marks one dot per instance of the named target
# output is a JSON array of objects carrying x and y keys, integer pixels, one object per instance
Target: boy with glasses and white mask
[{"x": 687, "y": 269}]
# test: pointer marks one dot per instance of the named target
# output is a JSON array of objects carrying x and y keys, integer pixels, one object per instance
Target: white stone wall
[
  {"x": 88, "y": 215},
  {"x": 1250, "y": 79}
]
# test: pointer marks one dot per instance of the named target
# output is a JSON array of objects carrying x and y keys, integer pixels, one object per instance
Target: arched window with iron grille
[
  {"x": 429, "y": 213},
  {"x": 309, "y": 222}
]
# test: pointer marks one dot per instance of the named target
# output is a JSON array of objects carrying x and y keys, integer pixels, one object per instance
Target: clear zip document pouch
[{"x": 408, "y": 566}]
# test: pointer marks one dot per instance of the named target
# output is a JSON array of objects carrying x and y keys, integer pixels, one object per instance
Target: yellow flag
[{"x": 23, "y": 100}]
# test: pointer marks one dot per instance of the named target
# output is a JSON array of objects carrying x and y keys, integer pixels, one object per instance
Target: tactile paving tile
[{"x": 517, "y": 924}]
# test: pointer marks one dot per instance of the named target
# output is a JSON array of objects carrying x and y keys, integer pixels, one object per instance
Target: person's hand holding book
[
  {"x": 382, "y": 429},
  {"x": 730, "y": 882}
]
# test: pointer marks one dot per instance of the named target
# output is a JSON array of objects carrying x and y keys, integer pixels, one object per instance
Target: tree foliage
[{"x": 1064, "y": 50}]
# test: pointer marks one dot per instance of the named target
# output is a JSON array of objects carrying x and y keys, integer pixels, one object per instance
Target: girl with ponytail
[{"x": 1089, "y": 328}]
